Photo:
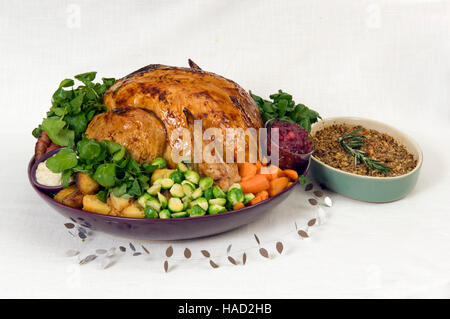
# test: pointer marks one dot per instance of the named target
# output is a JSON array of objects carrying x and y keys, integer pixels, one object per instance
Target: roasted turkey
[{"x": 173, "y": 97}]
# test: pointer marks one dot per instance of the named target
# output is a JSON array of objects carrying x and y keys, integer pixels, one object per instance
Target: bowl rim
[
  {"x": 153, "y": 220},
  {"x": 398, "y": 132}
]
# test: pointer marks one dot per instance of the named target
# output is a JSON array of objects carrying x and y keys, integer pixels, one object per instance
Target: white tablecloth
[{"x": 386, "y": 60}]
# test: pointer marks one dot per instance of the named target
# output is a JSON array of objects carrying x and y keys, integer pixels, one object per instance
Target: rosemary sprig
[{"x": 352, "y": 142}]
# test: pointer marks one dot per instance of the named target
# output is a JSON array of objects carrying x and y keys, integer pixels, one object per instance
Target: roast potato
[
  {"x": 74, "y": 199},
  {"x": 133, "y": 211},
  {"x": 65, "y": 192},
  {"x": 86, "y": 184},
  {"x": 92, "y": 204},
  {"x": 119, "y": 203}
]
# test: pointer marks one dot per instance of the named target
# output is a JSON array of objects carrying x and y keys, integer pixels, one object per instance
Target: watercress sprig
[
  {"x": 283, "y": 108},
  {"x": 73, "y": 108}
]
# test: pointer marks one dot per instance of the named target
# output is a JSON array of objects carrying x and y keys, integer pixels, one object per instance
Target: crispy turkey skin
[{"x": 178, "y": 96}]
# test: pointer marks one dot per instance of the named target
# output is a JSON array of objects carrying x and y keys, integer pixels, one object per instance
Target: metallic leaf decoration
[
  {"x": 312, "y": 201},
  {"x": 312, "y": 222},
  {"x": 328, "y": 202},
  {"x": 111, "y": 252},
  {"x": 145, "y": 250},
  {"x": 308, "y": 187},
  {"x": 264, "y": 252},
  {"x": 318, "y": 193},
  {"x": 244, "y": 258},
  {"x": 187, "y": 253},
  {"x": 132, "y": 247},
  {"x": 122, "y": 249},
  {"x": 279, "y": 247},
  {"x": 169, "y": 252},
  {"x": 82, "y": 235},
  {"x": 206, "y": 253},
  {"x": 69, "y": 225},
  {"x": 229, "y": 249},
  {"x": 137, "y": 254},
  {"x": 88, "y": 259},
  {"x": 303, "y": 234},
  {"x": 107, "y": 262},
  {"x": 72, "y": 253},
  {"x": 257, "y": 239},
  {"x": 213, "y": 264},
  {"x": 232, "y": 260},
  {"x": 101, "y": 251},
  {"x": 166, "y": 266}
]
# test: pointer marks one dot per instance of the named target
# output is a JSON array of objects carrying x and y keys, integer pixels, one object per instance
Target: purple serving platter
[{"x": 163, "y": 229}]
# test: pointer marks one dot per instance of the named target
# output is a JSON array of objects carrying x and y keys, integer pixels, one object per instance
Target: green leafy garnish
[
  {"x": 73, "y": 108},
  {"x": 65, "y": 159},
  {"x": 283, "y": 108},
  {"x": 107, "y": 164}
]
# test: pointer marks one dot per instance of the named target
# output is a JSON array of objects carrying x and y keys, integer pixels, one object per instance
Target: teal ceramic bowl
[{"x": 367, "y": 188}]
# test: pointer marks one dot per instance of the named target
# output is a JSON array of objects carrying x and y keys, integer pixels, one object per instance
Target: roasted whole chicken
[{"x": 148, "y": 104}]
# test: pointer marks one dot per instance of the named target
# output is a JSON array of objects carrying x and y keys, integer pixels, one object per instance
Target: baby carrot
[
  {"x": 255, "y": 184},
  {"x": 271, "y": 172},
  {"x": 247, "y": 169},
  {"x": 293, "y": 175},
  {"x": 238, "y": 206},
  {"x": 277, "y": 185},
  {"x": 256, "y": 200},
  {"x": 263, "y": 194}
]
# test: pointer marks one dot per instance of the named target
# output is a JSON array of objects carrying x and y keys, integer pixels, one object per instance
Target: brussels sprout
[
  {"x": 217, "y": 201},
  {"x": 202, "y": 202},
  {"x": 150, "y": 212},
  {"x": 177, "y": 190},
  {"x": 154, "y": 203},
  {"x": 165, "y": 183},
  {"x": 235, "y": 185},
  {"x": 143, "y": 199},
  {"x": 218, "y": 192},
  {"x": 188, "y": 183},
  {"x": 154, "y": 189},
  {"x": 188, "y": 189},
  {"x": 248, "y": 197},
  {"x": 192, "y": 176},
  {"x": 205, "y": 183},
  {"x": 197, "y": 193},
  {"x": 164, "y": 214},
  {"x": 216, "y": 209},
  {"x": 181, "y": 167},
  {"x": 177, "y": 177},
  {"x": 159, "y": 162},
  {"x": 208, "y": 193},
  {"x": 162, "y": 200},
  {"x": 180, "y": 215},
  {"x": 234, "y": 196},
  {"x": 196, "y": 211},
  {"x": 175, "y": 205}
]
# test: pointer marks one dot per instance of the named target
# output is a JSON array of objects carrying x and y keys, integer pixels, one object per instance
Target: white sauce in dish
[{"x": 46, "y": 177}]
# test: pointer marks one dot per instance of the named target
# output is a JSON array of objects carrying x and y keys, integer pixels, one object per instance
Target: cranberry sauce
[{"x": 295, "y": 145}]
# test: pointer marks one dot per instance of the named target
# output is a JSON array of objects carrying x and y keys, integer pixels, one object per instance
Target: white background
[{"x": 385, "y": 60}]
